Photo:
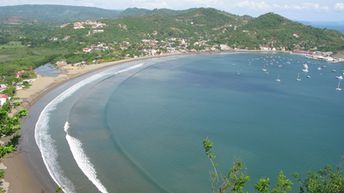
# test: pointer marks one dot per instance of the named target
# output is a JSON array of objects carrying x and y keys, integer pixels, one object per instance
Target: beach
[{"x": 25, "y": 170}]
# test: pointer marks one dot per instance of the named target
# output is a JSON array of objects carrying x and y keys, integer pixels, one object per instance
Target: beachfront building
[
  {"x": 3, "y": 87},
  {"x": 3, "y": 99}
]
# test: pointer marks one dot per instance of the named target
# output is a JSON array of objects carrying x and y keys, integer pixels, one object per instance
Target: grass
[
  {"x": 12, "y": 44},
  {"x": 2, "y": 174},
  {"x": 10, "y": 54}
]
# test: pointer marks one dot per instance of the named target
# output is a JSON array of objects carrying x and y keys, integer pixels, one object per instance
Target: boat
[
  {"x": 308, "y": 76},
  {"x": 339, "y": 77},
  {"x": 298, "y": 77},
  {"x": 305, "y": 68},
  {"x": 338, "y": 86}
]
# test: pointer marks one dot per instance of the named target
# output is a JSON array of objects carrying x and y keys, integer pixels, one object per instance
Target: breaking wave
[
  {"x": 82, "y": 160},
  {"x": 45, "y": 142}
]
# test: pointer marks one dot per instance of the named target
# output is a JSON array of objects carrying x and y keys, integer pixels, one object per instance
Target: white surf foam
[
  {"x": 46, "y": 144},
  {"x": 83, "y": 161}
]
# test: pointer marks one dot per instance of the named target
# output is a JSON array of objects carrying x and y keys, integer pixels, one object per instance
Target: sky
[{"x": 300, "y": 10}]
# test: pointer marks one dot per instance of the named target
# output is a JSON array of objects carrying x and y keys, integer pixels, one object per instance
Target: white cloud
[
  {"x": 149, "y": 3},
  {"x": 339, "y": 6},
  {"x": 255, "y": 5},
  {"x": 315, "y": 6},
  {"x": 263, "y": 6}
]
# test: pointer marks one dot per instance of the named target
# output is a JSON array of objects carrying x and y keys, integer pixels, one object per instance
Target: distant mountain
[
  {"x": 135, "y": 12},
  {"x": 52, "y": 13}
]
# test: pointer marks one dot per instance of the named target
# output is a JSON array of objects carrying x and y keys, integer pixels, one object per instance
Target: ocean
[{"x": 139, "y": 126}]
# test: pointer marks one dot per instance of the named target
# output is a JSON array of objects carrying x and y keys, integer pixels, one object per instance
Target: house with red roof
[{"x": 3, "y": 99}]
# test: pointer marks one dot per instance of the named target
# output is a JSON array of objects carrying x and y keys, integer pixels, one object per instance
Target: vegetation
[
  {"x": 327, "y": 180},
  {"x": 9, "y": 125},
  {"x": 2, "y": 173},
  {"x": 58, "y": 190},
  {"x": 58, "y": 14},
  {"x": 26, "y": 45}
]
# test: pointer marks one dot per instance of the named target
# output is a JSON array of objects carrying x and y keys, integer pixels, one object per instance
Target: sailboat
[
  {"x": 298, "y": 77},
  {"x": 305, "y": 68},
  {"x": 339, "y": 77},
  {"x": 338, "y": 87},
  {"x": 278, "y": 79}
]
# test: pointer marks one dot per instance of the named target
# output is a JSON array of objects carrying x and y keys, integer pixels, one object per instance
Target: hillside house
[{"x": 3, "y": 99}]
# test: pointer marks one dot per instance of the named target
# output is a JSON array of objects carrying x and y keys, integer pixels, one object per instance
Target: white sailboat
[
  {"x": 298, "y": 77},
  {"x": 339, "y": 77},
  {"x": 305, "y": 68},
  {"x": 278, "y": 79},
  {"x": 338, "y": 86}
]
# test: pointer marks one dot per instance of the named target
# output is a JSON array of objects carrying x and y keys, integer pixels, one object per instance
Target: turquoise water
[{"x": 142, "y": 130}]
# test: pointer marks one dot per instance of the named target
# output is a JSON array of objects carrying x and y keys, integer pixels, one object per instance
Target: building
[
  {"x": 3, "y": 87},
  {"x": 3, "y": 99},
  {"x": 225, "y": 47},
  {"x": 20, "y": 73},
  {"x": 87, "y": 50},
  {"x": 61, "y": 63}
]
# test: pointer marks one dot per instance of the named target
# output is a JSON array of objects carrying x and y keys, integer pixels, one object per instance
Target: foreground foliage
[{"x": 327, "y": 180}]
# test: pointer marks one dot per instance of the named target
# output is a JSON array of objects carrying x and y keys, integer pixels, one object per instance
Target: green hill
[
  {"x": 138, "y": 32},
  {"x": 277, "y": 31},
  {"x": 52, "y": 13}
]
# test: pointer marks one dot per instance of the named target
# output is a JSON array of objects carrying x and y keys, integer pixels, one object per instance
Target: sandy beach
[
  {"x": 25, "y": 171},
  {"x": 19, "y": 173}
]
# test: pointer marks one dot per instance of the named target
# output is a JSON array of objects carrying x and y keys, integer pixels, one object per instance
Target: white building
[{"x": 3, "y": 99}]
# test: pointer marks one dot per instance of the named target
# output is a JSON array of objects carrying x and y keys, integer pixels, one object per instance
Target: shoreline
[
  {"x": 23, "y": 172},
  {"x": 26, "y": 171}
]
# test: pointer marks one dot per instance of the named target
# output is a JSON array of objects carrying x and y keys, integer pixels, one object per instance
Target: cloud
[
  {"x": 149, "y": 3},
  {"x": 260, "y": 5},
  {"x": 263, "y": 6},
  {"x": 315, "y": 6},
  {"x": 339, "y": 6}
]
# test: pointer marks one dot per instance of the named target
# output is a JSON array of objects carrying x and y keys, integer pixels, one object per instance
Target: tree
[
  {"x": 284, "y": 185},
  {"x": 324, "y": 180},
  {"x": 234, "y": 181},
  {"x": 22, "y": 113},
  {"x": 236, "y": 178},
  {"x": 263, "y": 185}
]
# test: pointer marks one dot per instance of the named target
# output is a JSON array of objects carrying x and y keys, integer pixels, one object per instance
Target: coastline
[
  {"x": 26, "y": 171},
  {"x": 25, "y": 168}
]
